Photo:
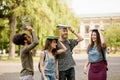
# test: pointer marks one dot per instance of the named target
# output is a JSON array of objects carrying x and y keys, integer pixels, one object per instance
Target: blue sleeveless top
[
  {"x": 49, "y": 63},
  {"x": 94, "y": 55}
]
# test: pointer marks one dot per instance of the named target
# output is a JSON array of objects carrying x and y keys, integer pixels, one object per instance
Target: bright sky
[{"x": 95, "y": 6}]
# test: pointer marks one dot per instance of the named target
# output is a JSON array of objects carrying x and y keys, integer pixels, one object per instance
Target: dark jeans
[{"x": 67, "y": 75}]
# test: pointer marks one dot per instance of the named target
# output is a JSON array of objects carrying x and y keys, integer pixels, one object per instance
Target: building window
[
  {"x": 86, "y": 43},
  {"x": 87, "y": 29},
  {"x": 97, "y": 26}
]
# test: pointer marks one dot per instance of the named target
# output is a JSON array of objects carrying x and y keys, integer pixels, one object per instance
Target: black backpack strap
[
  {"x": 105, "y": 61},
  {"x": 103, "y": 55}
]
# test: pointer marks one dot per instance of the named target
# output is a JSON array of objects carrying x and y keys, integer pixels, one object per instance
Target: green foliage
[
  {"x": 112, "y": 35},
  {"x": 4, "y": 33},
  {"x": 44, "y": 15}
]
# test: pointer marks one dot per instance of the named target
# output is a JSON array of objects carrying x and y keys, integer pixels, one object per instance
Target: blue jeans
[
  {"x": 50, "y": 75},
  {"x": 67, "y": 75}
]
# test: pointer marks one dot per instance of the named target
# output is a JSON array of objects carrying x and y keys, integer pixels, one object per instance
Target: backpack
[{"x": 43, "y": 61}]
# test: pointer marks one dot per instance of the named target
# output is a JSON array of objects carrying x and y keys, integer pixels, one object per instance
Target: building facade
[{"x": 100, "y": 21}]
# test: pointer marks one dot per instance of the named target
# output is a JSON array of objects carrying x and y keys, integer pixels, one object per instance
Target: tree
[
  {"x": 44, "y": 15},
  {"x": 7, "y": 11},
  {"x": 4, "y": 33},
  {"x": 112, "y": 35}
]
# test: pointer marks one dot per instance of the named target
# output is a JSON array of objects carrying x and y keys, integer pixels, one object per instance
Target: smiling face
[
  {"x": 94, "y": 37},
  {"x": 64, "y": 33}
]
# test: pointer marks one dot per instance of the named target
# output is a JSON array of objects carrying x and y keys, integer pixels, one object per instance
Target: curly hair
[{"x": 18, "y": 39}]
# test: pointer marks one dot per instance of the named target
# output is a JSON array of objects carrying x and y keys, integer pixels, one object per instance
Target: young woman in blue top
[
  {"x": 48, "y": 61},
  {"x": 97, "y": 68}
]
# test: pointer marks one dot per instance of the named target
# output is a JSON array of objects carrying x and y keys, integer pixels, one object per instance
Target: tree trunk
[{"x": 12, "y": 23}]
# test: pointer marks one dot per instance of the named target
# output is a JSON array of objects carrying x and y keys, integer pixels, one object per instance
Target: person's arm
[
  {"x": 57, "y": 72},
  {"x": 86, "y": 67},
  {"x": 63, "y": 48},
  {"x": 42, "y": 57},
  {"x": 34, "y": 38},
  {"x": 102, "y": 39},
  {"x": 79, "y": 37}
]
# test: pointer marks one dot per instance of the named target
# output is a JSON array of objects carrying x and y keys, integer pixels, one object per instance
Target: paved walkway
[{"x": 10, "y": 71}]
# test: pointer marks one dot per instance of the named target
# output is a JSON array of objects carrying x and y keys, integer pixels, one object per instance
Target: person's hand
[
  {"x": 45, "y": 78},
  {"x": 85, "y": 70},
  {"x": 57, "y": 75},
  {"x": 59, "y": 41},
  {"x": 29, "y": 28},
  {"x": 71, "y": 29}
]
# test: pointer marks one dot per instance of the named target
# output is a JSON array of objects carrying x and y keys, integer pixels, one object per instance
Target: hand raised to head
[
  {"x": 71, "y": 29},
  {"x": 29, "y": 28}
]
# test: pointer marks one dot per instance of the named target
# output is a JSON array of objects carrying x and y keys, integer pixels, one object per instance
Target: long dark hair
[
  {"x": 48, "y": 45},
  {"x": 98, "y": 41}
]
